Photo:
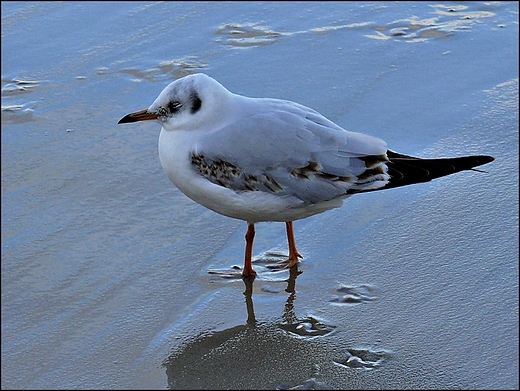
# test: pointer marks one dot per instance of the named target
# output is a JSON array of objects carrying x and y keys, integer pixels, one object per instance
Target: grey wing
[{"x": 291, "y": 150}]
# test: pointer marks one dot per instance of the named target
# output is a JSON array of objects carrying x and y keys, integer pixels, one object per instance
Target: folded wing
[{"x": 294, "y": 151}]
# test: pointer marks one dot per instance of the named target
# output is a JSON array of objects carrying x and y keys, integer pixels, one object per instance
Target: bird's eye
[{"x": 174, "y": 106}]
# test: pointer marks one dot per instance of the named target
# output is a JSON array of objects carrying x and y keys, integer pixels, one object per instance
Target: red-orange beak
[{"x": 142, "y": 115}]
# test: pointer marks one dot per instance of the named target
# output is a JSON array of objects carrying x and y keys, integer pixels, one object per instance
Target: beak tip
[{"x": 142, "y": 115}]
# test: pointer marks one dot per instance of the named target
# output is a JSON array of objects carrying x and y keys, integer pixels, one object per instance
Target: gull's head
[{"x": 188, "y": 103}]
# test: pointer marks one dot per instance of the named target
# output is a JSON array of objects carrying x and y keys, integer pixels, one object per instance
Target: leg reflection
[
  {"x": 289, "y": 305},
  {"x": 288, "y": 313},
  {"x": 291, "y": 281},
  {"x": 248, "y": 293}
]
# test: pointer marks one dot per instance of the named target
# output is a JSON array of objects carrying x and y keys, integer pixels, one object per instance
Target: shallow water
[{"x": 105, "y": 264}]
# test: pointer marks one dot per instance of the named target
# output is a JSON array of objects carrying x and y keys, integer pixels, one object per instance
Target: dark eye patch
[{"x": 196, "y": 103}]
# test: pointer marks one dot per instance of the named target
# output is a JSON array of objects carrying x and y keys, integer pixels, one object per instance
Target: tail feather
[{"x": 406, "y": 170}]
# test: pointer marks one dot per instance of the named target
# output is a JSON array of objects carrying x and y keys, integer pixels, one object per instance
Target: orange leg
[
  {"x": 293, "y": 253},
  {"x": 248, "y": 267}
]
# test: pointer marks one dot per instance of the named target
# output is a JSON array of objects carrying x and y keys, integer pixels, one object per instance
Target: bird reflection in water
[{"x": 260, "y": 354}]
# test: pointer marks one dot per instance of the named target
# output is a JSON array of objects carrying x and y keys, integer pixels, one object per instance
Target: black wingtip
[
  {"x": 484, "y": 159},
  {"x": 406, "y": 170}
]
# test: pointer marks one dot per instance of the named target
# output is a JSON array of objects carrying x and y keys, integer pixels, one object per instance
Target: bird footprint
[
  {"x": 364, "y": 358},
  {"x": 354, "y": 294}
]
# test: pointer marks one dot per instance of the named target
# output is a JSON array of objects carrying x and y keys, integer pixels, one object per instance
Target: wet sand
[{"x": 106, "y": 267}]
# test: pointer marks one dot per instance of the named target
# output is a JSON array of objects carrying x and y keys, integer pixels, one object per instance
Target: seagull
[{"x": 262, "y": 159}]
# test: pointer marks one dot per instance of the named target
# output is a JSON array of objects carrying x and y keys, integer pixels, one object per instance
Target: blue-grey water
[{"x": 105, "y": 264}]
